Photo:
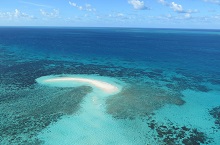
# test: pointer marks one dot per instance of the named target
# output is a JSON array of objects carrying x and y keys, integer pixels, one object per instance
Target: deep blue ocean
[{"x": 169, "y": 79}]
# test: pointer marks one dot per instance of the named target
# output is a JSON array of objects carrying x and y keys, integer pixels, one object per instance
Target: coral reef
[
  {"x": 137, "y": 101},
  {"x": 172, "y": 134},
  {"x": 215, "y": 112},
  {"x": 38, "y": 108}
]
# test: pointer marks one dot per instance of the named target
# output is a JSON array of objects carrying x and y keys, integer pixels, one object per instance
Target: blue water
[{"x": 164, "y": 70}]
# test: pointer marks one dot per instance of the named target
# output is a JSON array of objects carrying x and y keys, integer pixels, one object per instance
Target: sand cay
[
  {"x": 103, "y": 84},
  {"x": 106, "y": 87}
]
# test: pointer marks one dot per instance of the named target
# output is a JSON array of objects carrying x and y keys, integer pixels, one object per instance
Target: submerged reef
[
  {"x": 139, "y": 101},
  {"x": 172, "y": 134},
  {"x": 215, "y": 112},
  {"x": 183, "y": 82},
  {"x": 23, "y": 118}
]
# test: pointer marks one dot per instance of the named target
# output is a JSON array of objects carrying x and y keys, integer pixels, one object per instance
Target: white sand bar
[
  {"x": 96, "y": 82},
  {"x": 100, "y": 84}
]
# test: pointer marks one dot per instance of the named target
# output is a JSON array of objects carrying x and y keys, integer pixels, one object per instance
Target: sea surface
[{"x": 168, "y": 83}]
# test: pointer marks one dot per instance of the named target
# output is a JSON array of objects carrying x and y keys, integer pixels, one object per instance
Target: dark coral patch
[
  {"x": 215, "y": 112},
  {"x": 140, "y": 100},
  {"x": 172, "y": 134},
  {"x": 38, "y": 108}
]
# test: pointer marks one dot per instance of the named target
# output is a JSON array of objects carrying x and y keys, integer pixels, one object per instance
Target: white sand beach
[{"x": 108, "y": 88}]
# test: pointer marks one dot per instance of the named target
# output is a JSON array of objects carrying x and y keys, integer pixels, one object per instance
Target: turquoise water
[{"x": 167, "y": 80}]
